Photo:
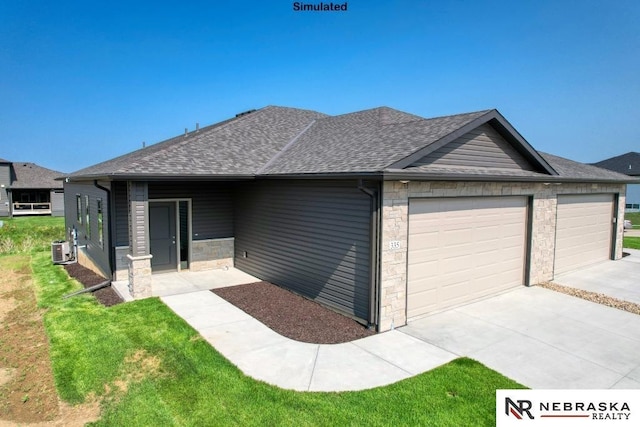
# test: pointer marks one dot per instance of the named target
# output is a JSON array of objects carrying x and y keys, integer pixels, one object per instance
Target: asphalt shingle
[
  {"x": 628, "y": 164},
  {"x": 288, "y": 141},
  {"x": 30, "y": 175}
]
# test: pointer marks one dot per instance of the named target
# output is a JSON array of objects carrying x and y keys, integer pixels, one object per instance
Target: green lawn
[
  {"x": 29, "y": 233},
  {"x": 151, "y": 368},
  {"x": 631, "y": 242}
]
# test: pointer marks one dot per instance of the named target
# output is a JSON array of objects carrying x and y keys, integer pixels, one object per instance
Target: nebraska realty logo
[{"x": 567, "y": 407}]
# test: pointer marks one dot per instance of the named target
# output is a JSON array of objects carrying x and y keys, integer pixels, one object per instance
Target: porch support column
[{"x": 139, "y": 257}]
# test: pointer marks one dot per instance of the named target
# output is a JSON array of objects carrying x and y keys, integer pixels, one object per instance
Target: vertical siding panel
[
  {"x": 310, "y": 237},
  {"x": 139, "y": 205}
]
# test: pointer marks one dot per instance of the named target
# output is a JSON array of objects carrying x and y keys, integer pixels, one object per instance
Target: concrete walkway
[{"x": 265, "y": 355}]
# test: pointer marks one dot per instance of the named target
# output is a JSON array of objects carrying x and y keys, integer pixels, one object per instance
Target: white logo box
[{"x": 567, "y": 408}]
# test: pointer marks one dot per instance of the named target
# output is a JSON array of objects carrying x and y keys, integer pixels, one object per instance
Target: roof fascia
[
  {"x": 421, "y": 176},
  {"x": 328, "y": 175},
  {"x": 130, "y": 177},
  {"x": 508, "y": 132},
  {"x": 502, "y": 126}
]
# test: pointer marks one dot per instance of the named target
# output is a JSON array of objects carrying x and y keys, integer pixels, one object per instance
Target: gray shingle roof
[
  {"x": 628, "y": 164},
  {"x": 574, "y": 170},
  {"x": 237, "y": 147},
  {"x": 366, "y": 141},
  {"x": 30, "y": 175},
  {"x": 286, "y": 141},
  {"x": 4, "y": 161}
]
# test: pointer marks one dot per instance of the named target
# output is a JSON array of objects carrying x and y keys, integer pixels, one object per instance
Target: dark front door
[{"x": 162, "y": 236}]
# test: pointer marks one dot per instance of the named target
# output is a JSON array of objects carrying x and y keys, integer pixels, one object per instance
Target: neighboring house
[
  {"x": 29, "y": 189},
  {"x": 628, "y": 164},
  {"x": 382, "y": 215}
]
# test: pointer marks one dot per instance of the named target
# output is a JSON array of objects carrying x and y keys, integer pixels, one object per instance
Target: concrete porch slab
[{"x": 175, "y": 283}]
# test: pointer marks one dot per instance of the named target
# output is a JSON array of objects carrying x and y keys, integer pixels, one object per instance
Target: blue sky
[{"x": 82, "y": 82}]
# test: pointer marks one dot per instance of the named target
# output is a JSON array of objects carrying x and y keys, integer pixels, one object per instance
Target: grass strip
[{"x": 631, "y": 242}]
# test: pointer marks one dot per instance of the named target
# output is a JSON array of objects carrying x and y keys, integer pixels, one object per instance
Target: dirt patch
[
  {"x": 106, "y": 296},
  {"x": 137, "y": 367},
  {"x": 293, "y": 316},
  {"x": 594, "y": 297},
  {"x": 27, "y": 391}
]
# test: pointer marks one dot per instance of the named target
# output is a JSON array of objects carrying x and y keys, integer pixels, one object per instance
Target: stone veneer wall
[
  {"x": 395, "y": 227},
  {"x": 212, "y": 254}
]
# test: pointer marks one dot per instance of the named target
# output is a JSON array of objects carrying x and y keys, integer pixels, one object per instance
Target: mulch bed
[
  {"x": 106, "y": 296},
  {"x": 293, "y": 316}
]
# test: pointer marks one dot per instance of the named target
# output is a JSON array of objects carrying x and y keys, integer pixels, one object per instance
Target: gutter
[
  {"x": 399, "y": 175},
  {"x": 111, "y": 223},
  {"x": 374, "y": 251}
]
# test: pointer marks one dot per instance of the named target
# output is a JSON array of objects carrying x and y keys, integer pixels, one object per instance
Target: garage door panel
[
  {"x": 583, "y": 230},
  {"x": 463, "y": 248}
]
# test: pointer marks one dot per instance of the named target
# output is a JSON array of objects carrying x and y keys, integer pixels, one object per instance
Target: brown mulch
[
  {"x": 106, "y": 296},
  {"x": 594, "y": 297},
  {"x": 293, "y": 316}
]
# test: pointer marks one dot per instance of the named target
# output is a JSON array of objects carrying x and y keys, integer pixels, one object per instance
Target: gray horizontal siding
[
  {"x": 482, "y": 147},
  {"x": 310, "y": 237},
  {"x": 98, "y": 253},
  {"x": 211, "y": 205}
]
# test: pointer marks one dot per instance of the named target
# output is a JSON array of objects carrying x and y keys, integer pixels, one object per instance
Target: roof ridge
[{"x": 285, "y": 148}]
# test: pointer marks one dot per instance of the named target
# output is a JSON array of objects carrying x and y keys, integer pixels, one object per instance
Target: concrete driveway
[
  {"x": 542, "y": 339},
  {"x": 620, "y": 279}
]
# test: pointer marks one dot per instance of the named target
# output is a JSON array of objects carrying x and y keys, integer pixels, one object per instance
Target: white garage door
[
  {"x": 461, "y": 249},
  {"x": 583, "y": 233}
]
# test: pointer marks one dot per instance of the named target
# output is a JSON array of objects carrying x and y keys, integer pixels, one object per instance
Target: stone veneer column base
[{"x": 139, "y": 276}]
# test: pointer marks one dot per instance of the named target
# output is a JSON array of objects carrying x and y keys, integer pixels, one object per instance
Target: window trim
[{"x": 88, "y": 216}]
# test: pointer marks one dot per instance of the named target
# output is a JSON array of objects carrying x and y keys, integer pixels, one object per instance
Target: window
[
  {"x": 78, "y": 209},
  {"x": 100, "y": 226},
  {"x": 88, "y": 215}
]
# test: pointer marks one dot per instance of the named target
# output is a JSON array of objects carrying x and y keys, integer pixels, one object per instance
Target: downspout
[
  {"x": 614, "y": 220},
  {"x": 374, "y": 251},
  {"x": 110, "y": 230}
]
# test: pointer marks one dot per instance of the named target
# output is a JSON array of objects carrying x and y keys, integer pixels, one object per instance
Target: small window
[
  {"x": 79, "y": 208},
  {"x": 100, "y": 226},
  {"x": 88, "y": 215}
]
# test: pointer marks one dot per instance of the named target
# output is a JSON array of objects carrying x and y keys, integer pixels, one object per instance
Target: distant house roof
[
  {"x": 280, "y": 141},
  {"x": 4, "y": 161},
  {"x": 628, "y": 164},
  {"x": 29, "y": 175}
]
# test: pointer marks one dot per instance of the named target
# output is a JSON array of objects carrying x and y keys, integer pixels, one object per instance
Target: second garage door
[
  {"x": 583, "y": 230},
  {"x": 461, "y": 249}
]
